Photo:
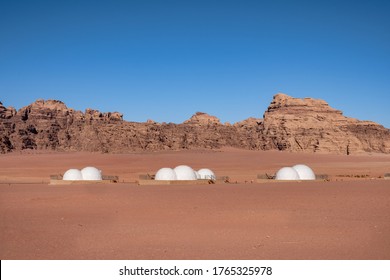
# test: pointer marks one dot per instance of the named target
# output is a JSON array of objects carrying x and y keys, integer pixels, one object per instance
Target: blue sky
[{"x": 165, "y": 60}]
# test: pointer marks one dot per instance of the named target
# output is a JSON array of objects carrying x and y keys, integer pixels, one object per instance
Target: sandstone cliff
[
  {"x": 290, "y": 124},
  {"x": 308, "y": 124}
]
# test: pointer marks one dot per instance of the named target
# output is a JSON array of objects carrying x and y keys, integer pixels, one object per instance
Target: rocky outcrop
[
  {"x": 311, "y": 125},
  {"x": 203, "y": 119},
  {"x": 6, "y": 128},
  {"x": 50, "y": 125},
  {"x": 6, "y": 113},
  {"x": 289, "y": 124}
]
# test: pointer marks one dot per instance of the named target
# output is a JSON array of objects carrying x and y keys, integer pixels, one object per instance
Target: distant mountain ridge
[{"x": 289, "y": 124}]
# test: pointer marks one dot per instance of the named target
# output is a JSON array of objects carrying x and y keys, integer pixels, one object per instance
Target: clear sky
[{"x": 164, "y": 60}]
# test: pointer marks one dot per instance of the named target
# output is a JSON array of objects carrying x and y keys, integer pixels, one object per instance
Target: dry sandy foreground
[{"x": 340, "y": 219}]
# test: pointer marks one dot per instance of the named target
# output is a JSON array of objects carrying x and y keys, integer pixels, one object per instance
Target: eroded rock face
[
  {"x": 311, "y": 125},
  {"x": 50, "y": 125},
  {"x": 290, "y": 124},
  {"x": 6, "y": 113}
]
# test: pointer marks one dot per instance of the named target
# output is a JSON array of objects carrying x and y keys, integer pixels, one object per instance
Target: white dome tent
[
  {"x": 304, "y": 172},
  {"x": 287, "y": 173},
  {"x": 184, "y": 172},
  {"x": 72, "y": 175},
  {"x": 166, "y": 174},
  {"x": 91, "y": 174},
  {"x": 206, "y": 173}
]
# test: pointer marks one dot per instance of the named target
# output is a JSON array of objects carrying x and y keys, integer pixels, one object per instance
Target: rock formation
[
  {"x": 6, "y": 113},
  {"x": 289, "y": 124},
  {"x": 203, "y": 119},
  {"x": 308, "y": 124}
]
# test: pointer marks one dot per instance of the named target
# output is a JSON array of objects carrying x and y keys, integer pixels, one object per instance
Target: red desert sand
[{"x": 347, "y": 217}]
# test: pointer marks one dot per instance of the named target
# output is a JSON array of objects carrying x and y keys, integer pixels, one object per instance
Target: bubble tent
[
  {"x": 287, "y": 174},
  {"x": 166, "y": 174},
  {"x": 304, "y": 172}
]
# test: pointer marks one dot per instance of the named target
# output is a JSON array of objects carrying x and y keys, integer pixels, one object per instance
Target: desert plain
[{"x": 345, "y": 217}]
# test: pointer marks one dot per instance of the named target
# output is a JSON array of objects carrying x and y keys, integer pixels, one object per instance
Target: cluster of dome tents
[
  {"x": 184, "y": 172},
  {"x": 86, "y": 174},
  {"x": 297, "y": 172}
]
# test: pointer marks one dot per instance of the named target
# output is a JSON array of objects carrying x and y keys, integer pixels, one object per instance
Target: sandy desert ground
[{"x": 345, "y": 218}]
